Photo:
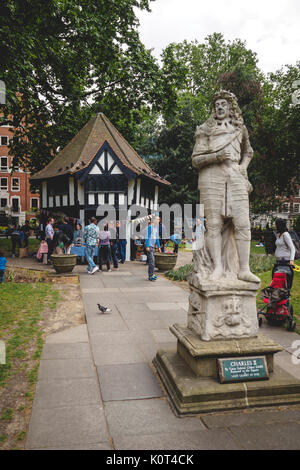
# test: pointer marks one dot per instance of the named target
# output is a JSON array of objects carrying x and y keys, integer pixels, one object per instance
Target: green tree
[
  {"x": 194, "y": 72},
  {"x": 276, "y": 166},
  {"x": 62, "y": 61}
]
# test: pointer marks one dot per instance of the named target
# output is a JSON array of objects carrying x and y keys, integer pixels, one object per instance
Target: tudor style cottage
[{"x": 97, "y": 167}]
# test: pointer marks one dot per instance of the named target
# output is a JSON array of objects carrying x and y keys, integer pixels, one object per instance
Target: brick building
[
  {"x": 288, "y": 209},
  {"x": 16, "y": 198}
]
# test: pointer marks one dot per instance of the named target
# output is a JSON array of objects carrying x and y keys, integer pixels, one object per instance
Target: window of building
[
  {"x": 14, "y": 166},
  {"x": 3, "y": 202},
  {"x": 3, "y": 140},
  {"x": 15, "y": 184},
  {"x": 34, "y": 203},
  {"x": 15, "y": 204},
  {"x": 3, "y": 164},
  {"x": 296, "y": 208},
  {"x": 4, "y": 184},
  {"x": 286, "y": 207}
]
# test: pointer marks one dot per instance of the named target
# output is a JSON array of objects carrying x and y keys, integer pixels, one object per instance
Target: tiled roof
[{"x": 81, "y": 150}]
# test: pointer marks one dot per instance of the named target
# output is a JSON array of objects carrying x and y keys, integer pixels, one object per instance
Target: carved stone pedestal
[
  {"x": 223, "y": 310},
  {"x": 190, "y": 374}
]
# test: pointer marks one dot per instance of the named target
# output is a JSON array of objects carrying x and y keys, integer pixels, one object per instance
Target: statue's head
[{"x": 225, "y": 105}]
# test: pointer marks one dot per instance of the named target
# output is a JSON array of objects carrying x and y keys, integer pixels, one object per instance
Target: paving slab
[
  {"x": 106, "y": 323},
  {"x": 76, "y": 334},
  {"x": 66, "y": 369},
  {"x": 163, "y": 336},
  {"x": 149, "y": 349},
  {"x": 268, "y": 437},
  {"x": 67, "y": 392},
  {"x": 199, "y": 440},
  {"x": 251, "y": 418},
  {"x": 128, "y": 382},
  {"x": 284, "y": 360},
  {"x": 122, "y": 337},
  {"x": 67, "y": 427},
  {"x": 142, "y": 324},
  {"x": 96, "y": 446},
  {"x": 125, "y": 353},
  {"x": 164, "y": 306},
  {"x": 66, "y": 351},
  {"x": 146, "y": 417}
]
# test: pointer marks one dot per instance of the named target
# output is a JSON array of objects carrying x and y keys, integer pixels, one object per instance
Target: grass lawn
[
  {"x": 21, "y": 332},
  {"x": 5, "y": 244}
]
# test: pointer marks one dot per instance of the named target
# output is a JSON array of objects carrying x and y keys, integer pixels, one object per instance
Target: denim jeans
[
  {"x": 122, "y": 250},
  {"x": 151, "y": 260},
  {"x": 50, "y": 248},
  {"x": 2, "y": 276},
  {"x": 89, "y": 254}
]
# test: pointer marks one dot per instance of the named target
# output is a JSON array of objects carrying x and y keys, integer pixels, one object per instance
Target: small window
[
  {"x": 296, "y": 208},
  {"x": 285, "y": 207},
  {"x": 4, "y": 184},
  {"x": 3, "y": 140},
  {"x": 34, "y": 203},
  {"x": 3, "y": 202},
  {"x": 14, "y": 166},
  {"x": 15, "y": 204},
  {"x": 3, "y": 164},
  {"x": 15, "y": 184}
]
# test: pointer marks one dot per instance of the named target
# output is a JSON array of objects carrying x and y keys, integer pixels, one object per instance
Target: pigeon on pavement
[{"x": 103, "y": 309}]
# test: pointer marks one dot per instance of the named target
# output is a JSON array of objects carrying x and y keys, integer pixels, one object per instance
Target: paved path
[{"x": 97, "y": 390}]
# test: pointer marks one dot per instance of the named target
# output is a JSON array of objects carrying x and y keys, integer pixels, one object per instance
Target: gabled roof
[{"x": 81, "y": 150}]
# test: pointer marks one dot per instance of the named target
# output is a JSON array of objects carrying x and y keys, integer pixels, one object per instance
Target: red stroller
[{"x": 276, "y": 298}]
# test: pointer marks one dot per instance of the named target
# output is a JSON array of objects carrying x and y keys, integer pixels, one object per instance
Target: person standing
[
  {"x": 114, "y": 245},
  {"x": 49, "y": 234},
  {"x": 67, "y": 229},
  {"x": 3, "y": 262},
  {"x": 162, "y": 235},
  {"x": 104, "y": 246},
  {"x": 26, "y": 230},
  {"x": 285, "y": 249},
  {"x": 152, "y": 239},
  {"x": 121, "y": 244},
  {"x": 198, "y": 234},
  {"x": 15, "y": 240},
  {"x": 91, "y": 237}
]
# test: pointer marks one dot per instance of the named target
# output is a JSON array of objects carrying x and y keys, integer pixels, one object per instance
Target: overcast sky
[{"x": 271, "y": 28}]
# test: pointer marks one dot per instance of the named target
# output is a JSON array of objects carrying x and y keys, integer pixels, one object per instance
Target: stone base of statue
[
  {"x": 191, "y": 375},
  {"x": 222, "y": 310}
]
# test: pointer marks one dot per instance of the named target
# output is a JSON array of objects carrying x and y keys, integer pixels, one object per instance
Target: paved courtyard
[{"x": 97, "y": 388}]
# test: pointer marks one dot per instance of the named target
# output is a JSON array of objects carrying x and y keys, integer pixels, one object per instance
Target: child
[
  {"x": 43, "y": 251},
  {"x": 3, "y": 262}
]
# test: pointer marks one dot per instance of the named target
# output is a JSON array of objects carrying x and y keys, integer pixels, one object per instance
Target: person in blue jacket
[
  {"x": 3, "y": 262},
  {"x": 152, "y": 239}
]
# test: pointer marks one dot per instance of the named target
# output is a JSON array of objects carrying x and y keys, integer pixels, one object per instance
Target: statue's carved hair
[{"x": 234, "y": 109}]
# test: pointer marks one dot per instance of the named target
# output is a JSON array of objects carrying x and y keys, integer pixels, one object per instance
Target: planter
[
  {"x": 165, "y": 261},
  {"x": 64, "y": 263}
]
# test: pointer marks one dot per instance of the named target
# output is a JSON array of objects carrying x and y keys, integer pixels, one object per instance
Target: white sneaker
[{"x": 94, "y": 270}]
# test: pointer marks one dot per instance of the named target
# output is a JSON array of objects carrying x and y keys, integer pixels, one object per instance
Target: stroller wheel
[
  {"x": 259, "y": 321},
  {"x": 291, "y": 326}
]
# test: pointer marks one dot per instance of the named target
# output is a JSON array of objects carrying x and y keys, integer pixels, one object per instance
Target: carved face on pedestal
[
  {"x": 232, "y": 310},
  {"x": 222, "y": 109}
]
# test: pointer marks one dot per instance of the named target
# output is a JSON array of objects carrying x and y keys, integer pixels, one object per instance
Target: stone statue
[{"x": 221, "y": 155}]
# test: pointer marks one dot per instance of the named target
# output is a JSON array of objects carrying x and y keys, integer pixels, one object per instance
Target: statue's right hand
[{"x": 223, "y": 155}]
